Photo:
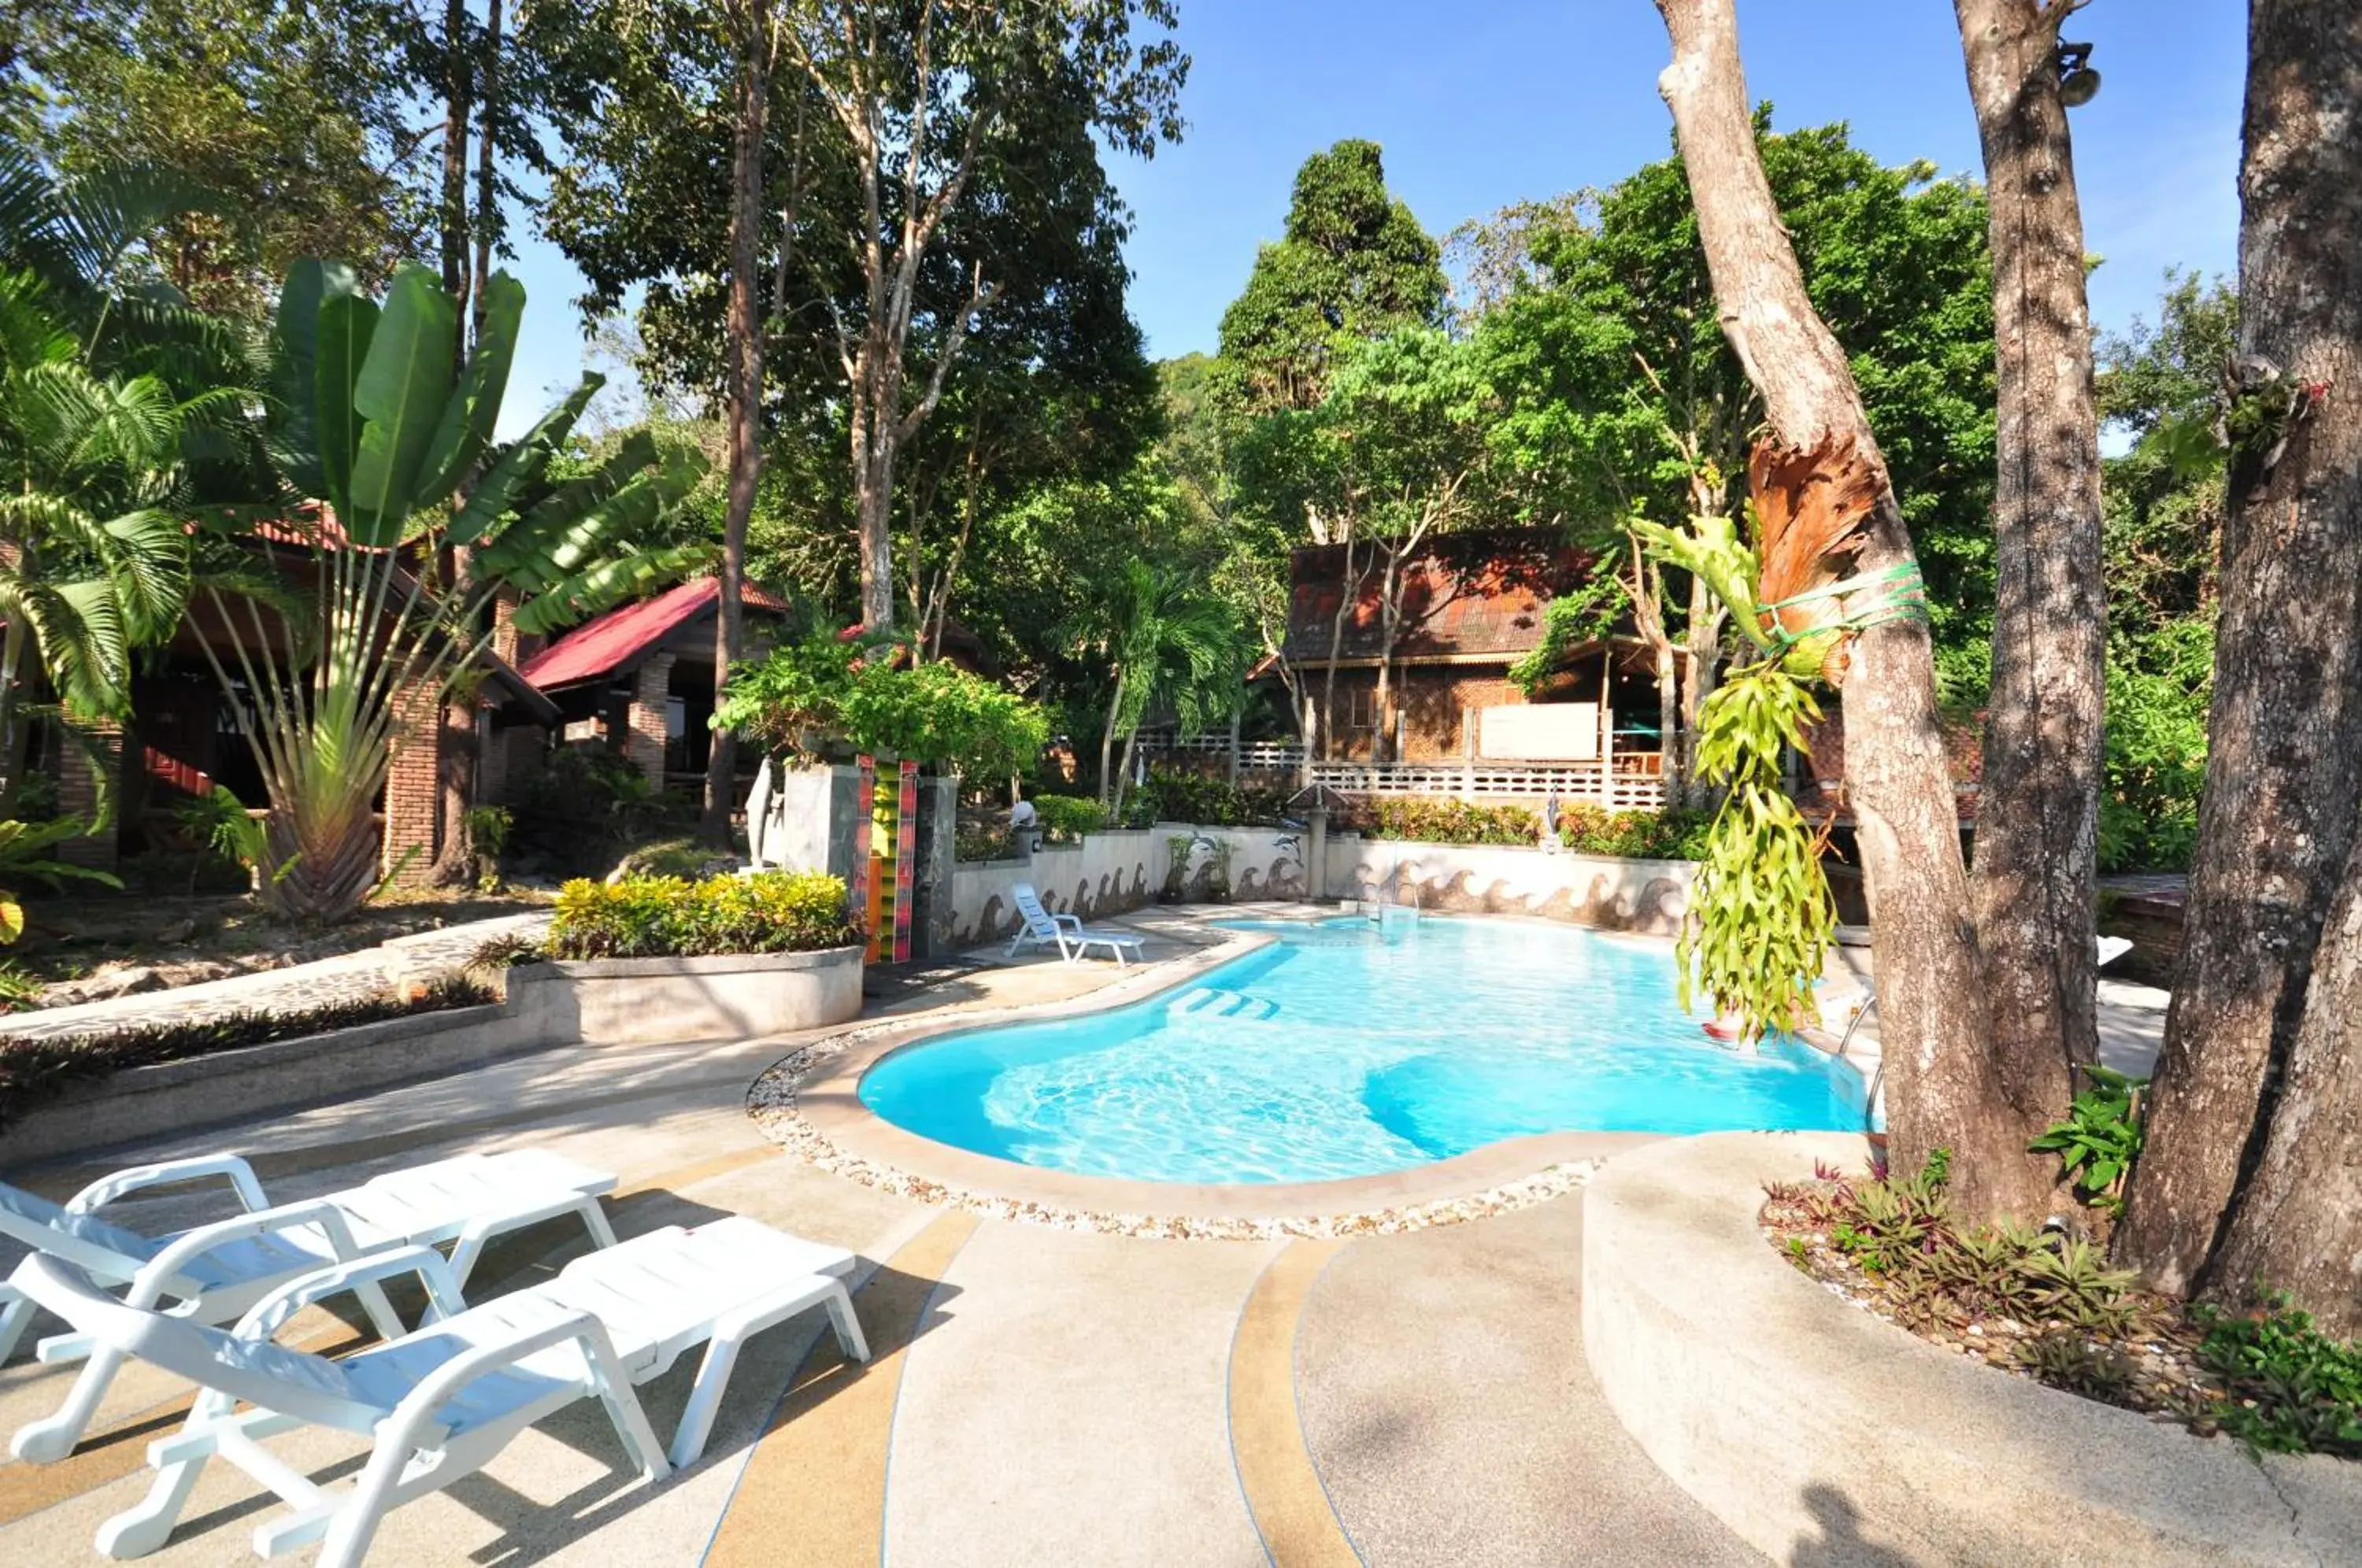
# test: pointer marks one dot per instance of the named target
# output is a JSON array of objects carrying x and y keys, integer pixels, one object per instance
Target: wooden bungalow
[{"x": 1473, "y": 605}]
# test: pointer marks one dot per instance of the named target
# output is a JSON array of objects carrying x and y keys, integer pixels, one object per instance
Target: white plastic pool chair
[
  {"x": 439, "y": 1404},
  {"x": 1064, "y": 932},
  {"x": 214, "y": 1273},
  {"x": 444, "y": 1400}
]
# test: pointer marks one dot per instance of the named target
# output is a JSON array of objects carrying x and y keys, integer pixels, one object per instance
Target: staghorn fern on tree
[
  {"x": 1763, "y": 920},
  {"x": 370, "y": 419}
]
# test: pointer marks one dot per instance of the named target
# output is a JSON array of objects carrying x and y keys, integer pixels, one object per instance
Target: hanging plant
[{"x": 1761, "y": 920}]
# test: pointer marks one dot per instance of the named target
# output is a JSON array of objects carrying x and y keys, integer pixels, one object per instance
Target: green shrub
[
  {"x": 2100, "y": 1139},
  {"x": 34, "y": 1069},
  {"x": 863, "y": 693},
  {"x": 1441, "y": 819},
  {"x": 1583, "y": 827},
  {"x": 584, "y": 802},
  {"x": 1935, "y": 1272},
  {"x": 2292, "y": 1389},
  {"x": 1588, "y": 829},
  {"x": 1208, "y": 802},
  {"x": 665, "y": 916},
  {"x": 1065, "y": 819},
  {"x": 981, "y": 843},
  {"x": 684, "y": 855}
]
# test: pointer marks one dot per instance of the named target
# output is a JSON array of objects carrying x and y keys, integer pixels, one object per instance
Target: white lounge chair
[
  {"x": 1067, "y": 933},
  {"x": 214, "y": 1272},
  {"x": 441, "y": 1402}
]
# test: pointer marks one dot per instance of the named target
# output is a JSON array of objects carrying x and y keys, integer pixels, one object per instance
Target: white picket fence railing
[
  {"x": 1617, "y": 789},
  {"x": 1494, "y": 781},
  {"x": 1251, "y": 754}
]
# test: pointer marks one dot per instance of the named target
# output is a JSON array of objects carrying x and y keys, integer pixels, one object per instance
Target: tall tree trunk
[
  {"x": 744, "y": 413},
  {"x": 487, "y": 167},
  {"x": 873, "y": 459},
  {"x": 1349, "y": 590},
  {"x": 15, "y": 742},
  {"x": 2035, "y": 884},
  {"x": 457, "y": 77},
  {"x": 468, "y": 730},
  {"x": 2283, "y": 792},
  {"x": 1701, "y": 672},
  {"x": 1941, "y": 1091},
  {"x": 1107, "y": 738},
  {"x": 2297, "y": 1225},
  {"x": 1647, "y": 589},
  {"x": 1389, "y": 622},
  {"x": 1124, "y": 775}
]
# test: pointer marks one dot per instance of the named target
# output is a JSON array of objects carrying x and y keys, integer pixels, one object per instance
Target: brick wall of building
[
  {"x": 413, "y": 786},
  {"x": 645, "y": 742},
  {"x": 80, "y": 791},
  {"x": 1434, "y": 700}
]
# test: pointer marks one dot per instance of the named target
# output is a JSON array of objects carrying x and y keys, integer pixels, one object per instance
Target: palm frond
[
  {"x": 104, "y": 214},
  {"x": 149, "y": 568},
  {"x": 79, "y": 626}
]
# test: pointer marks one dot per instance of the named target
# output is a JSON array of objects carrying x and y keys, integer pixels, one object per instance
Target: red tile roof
[{"x": 618, "y": 639}]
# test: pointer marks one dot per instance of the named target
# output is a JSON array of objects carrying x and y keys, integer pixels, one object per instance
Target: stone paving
[
  {"x": 421, "y": 957},
  {"x": 1036, "y": 1396}
]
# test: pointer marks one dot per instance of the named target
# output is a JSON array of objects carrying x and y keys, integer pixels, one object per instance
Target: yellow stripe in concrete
[
  {"x": 113, "y": 1451},
  {"x": 692, "y": 1174},
  {"x": 814, "y": 1492},
  {"x": 1275, "y": 1471}
]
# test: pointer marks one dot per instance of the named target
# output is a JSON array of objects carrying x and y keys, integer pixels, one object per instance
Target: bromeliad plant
[{"x": 425, "y": 523}]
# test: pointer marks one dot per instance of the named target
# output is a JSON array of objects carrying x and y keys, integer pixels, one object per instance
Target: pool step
[{"x": 1212, "y": 1001}]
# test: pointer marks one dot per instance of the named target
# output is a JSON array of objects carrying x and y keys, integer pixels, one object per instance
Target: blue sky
[{"x": 1481, "y": 102}]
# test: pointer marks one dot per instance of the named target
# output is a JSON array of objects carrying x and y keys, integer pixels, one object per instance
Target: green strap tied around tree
[{"x": 1905, "y": 599}]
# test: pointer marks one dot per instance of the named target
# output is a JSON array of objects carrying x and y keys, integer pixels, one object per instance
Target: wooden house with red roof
[
  {"x": 182, "y": 739},
  {"x": 1472, "y": 606},
  {"x": 640, "y": 677}
]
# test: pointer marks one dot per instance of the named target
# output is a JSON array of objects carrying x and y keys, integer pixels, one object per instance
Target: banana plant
[{"x": 420, "y": 522}]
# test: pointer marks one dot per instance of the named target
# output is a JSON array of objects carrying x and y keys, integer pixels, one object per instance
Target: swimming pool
[{"x": 1344, "y": 1050}]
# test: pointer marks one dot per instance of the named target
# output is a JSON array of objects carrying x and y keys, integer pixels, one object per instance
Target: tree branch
[{"x": 980, "y": 296}]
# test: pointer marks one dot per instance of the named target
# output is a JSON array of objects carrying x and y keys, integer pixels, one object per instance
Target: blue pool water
[{"x": 1343, "y": 1050}]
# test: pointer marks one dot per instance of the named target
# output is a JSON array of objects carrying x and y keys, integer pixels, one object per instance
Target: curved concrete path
[{"x": 1036, "y": 1396}]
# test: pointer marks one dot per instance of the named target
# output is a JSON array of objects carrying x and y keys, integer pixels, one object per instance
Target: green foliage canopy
[
  {"x": 1353, "y": 264},
  {"x": 862, "y": 694}
]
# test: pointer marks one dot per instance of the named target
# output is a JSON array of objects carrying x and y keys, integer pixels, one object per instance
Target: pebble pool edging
[{"x": 771, "y": 1102}]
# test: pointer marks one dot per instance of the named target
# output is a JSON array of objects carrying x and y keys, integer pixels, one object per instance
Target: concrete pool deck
[{"x": 1036, "y": 1394}]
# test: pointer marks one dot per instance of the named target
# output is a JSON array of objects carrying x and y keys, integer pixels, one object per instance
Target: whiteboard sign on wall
[{"x": 1545, "y": 732}]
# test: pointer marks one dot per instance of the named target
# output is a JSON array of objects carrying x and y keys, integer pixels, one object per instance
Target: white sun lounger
[
  {"x": 214, "y": 1272},
  {"x": 441, "y": 1402},
  {"x": 1064, "y": 932}
]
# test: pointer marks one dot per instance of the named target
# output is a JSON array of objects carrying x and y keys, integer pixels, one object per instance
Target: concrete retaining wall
[
  {"x": 611, "y": 1002},
  {"x": 1106, "y": 874},
  {"x": 236, "y": 1085},
  {"x": 1822, "y": 1434},
  {"x": 626, "y": 1002},
  {"x": 1121, "y": 869},
  {"x": 1646, "y": 896}
]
